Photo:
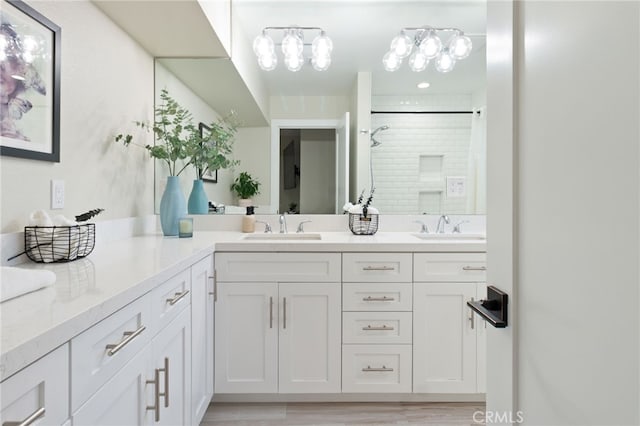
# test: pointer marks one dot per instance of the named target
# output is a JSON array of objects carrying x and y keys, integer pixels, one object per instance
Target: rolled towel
[
  {"x": 356, "y": 209},
  {"x": 60, "y": 220},
  {"x": 15, "y": 282},
  {"x": 40, "y": 218},
  {"x": 372, "y": 210},
  {"x": 347, "y": 207}
]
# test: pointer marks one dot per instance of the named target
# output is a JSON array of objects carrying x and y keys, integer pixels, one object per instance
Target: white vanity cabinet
[
  {"x": 376, "y": 322},
  {"x": 445, "y": 329},
  {"x": 277, "y": 323},
  {"x": 38, "y": 394},
  {"x": 202, "y": 308}
]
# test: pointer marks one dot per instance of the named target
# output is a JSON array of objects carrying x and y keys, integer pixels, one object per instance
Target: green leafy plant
[
  {"x": 245, "y": 186},
  {"x": 178, "y": 140}
]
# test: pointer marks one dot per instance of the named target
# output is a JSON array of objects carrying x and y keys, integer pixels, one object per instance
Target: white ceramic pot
[{"x": 245, "y": 202}]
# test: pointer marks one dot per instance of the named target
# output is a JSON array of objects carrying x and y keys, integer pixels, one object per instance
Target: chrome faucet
[
  {"x": 283, "y": 224},
  {"x": 301, "y": 226},
  {"x": 423, "y": 227},
  {"x": 441, "y": 222}
]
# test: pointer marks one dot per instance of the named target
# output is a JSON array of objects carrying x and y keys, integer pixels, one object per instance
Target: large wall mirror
[{"x": 426, "y": 147}]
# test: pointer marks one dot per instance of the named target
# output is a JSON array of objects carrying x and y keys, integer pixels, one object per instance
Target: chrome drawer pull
[
  {"x": 474, "y": 268},
  {"x": 29, "y": 420},
  {"x": 156, "y": 398},
  {"x": 284, "y": 313},
  {"x": 378, "y": 299},
  {"x": 165, "y": 370},
  {"x": 113, "y": 349},
  {"x": 370, "y": 369},
  {"x": 378, "y": 268},
  {"x": 271, "y": 312},
  {"x": 383, "y": 328},
  {"x": 177, "y": 297}
]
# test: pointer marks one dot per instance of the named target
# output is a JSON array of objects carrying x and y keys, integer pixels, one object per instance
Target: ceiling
[{"x": 361, "y": 31}]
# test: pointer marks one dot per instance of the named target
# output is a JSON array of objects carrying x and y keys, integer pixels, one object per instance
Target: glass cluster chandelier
[
  {"x": 292, "y": 47},
  {"x": 426, "y": 45}
]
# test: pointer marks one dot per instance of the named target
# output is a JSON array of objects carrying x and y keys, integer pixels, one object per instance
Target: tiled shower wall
[{"x": 419, "y": 152}]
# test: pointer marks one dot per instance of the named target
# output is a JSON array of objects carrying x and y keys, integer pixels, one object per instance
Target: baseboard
[{"x": 348, "y": 397}]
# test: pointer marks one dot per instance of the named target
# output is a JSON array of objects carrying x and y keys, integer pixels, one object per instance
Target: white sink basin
[
  {"x": 450, "y": 236},
  {"x": 282, "y": 237}
]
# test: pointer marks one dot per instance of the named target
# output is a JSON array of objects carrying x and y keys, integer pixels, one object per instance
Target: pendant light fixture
[
  {"x": 425, "y": 45},
  {"x": 292, "y": 47}
]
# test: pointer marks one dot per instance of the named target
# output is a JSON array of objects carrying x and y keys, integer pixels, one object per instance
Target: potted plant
[{"x": 245, "y": 187}]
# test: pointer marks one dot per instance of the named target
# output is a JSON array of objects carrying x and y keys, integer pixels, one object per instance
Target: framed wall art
[{"x": 29, "y": 83}]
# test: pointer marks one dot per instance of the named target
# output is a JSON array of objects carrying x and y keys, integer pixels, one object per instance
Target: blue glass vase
[
  {"x": 172, "y": 207},
  {"x": 198, "y": 200}
]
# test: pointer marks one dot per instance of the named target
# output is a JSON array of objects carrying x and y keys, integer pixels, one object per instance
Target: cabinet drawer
[
  {"x": 40, "y": 390},
  {"x": 377, "y": 327},
  {"x": 101, "y": 351},
  {"x": 376, "y": 267},
  {"x": 170, "y": 298},
  {"x": 377, "y": 296},
  {"x": 376, "y": 368},
  {"x": 449, "y": 267},
  {"x": 278, "y": 267}
]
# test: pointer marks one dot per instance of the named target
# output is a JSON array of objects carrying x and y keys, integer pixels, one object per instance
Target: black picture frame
[
  {"x": 43, "y": 87},
  {"x": 209, "y": 176}
]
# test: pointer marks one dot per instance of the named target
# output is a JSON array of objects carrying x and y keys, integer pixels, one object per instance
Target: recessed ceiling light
[{"x": 423, "y": 85}]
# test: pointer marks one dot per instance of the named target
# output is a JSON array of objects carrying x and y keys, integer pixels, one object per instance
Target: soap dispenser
[{"x": 249, "y": 220}]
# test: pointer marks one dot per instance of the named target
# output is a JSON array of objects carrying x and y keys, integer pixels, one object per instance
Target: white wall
[
  {"x": 253, "y": 148},
  {"x": 107, "y": 82},
  {"x": 308, "y": 107},
  {"x": 577, "y": 299},
  {"x": 317, "y": 171},
  {"x": 419, "y": 151}
]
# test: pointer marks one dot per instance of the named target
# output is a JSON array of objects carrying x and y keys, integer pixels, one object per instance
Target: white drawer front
[
  {"x": 170, "y": 298},
  {"x": 278, "y": 267},
  {"x": 449, "y": 267},
  {"x": 376, "y": 267},
  {"x": 376, "y": 368},
  {"x": 377, "y": 327},
  {"x": 129, "y": 329},
  {"x": 377, "y": 296},
  {"x": 40, "y": 390}
]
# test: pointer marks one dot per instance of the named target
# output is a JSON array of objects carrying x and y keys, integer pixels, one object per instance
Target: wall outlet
[
  {"x": 456, "y": 186},
  {"x": 57, "y": 194}
]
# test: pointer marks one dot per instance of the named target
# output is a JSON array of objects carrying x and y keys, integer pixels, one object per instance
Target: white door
[
  {"x": 172, "y": 356},
  {"x": 481, "y": 345},
  {"x": 246, "y": 335},
  {"x": 342, "y": 163},
  {"x": 310, "y": 337},
  {"x": 444, "y": 338},
  {"x": 124, "y": 399},
  {"x": 201, "y": 337}
]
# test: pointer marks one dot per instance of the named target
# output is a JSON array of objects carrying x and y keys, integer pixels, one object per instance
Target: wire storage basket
[
  {"x": 47, "y": 244},
  {"x": 360, "y": 224}
]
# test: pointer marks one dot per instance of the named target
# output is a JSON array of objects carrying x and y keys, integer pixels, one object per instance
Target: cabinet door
[
  {"x": 201, "y": 337},
  {"x": 444, "y": 338},
  {"x": 172, "y": 356},
  {"x": 124, "y": 399},
  {"x": 310, "y": 328},
  {"x": 246, "y": 335},
  {"x": 39, "y": 392}
]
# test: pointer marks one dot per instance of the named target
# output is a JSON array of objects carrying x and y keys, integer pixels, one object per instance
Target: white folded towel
[
  {"x": 15, "y": 282},
  {"x": 40, "y": 218},
  {"x": 60, "y": 220}
]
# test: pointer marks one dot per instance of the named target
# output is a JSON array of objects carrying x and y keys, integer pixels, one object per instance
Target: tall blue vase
[
  {"x": 172, "y": 207},
  {"x": 198, "y": 200}
]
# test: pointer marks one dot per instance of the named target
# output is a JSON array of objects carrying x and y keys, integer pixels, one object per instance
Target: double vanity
[{"x": 147, "y": 329}]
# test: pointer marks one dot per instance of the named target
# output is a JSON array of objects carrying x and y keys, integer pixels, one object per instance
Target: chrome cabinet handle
[
  {"x": 284, "y": 312},
  {"x": 29, "y": 420},
  {"x": 177, "y": 297},
  {"x": 474, "y": 268},
  {"x": 215, "y": 285},
  {"x": 383, "y": 328},
  {"x": 165, "y": 394},
  {"x": 472, "y": 316},
  {"x": 270, "y": 312},
  {"x": 213, "y": 293},
  {"x": 370, "y": 369},
  {"x": 113, "y": 349},
  {"x": 156, "y": 398},
  {"x": 379, "y": 268},
  {"x": 378, "y": 299}
]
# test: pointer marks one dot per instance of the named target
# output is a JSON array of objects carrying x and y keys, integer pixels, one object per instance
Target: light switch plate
[
  {"x": 57, "y": 194},
  {"x": 456, "y": 186}
]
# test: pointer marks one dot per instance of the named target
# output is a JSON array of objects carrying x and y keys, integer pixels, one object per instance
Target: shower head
[{"x": 374, "y": 141}]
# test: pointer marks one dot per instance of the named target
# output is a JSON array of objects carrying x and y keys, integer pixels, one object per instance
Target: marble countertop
[{"x": 116, "y": 273}]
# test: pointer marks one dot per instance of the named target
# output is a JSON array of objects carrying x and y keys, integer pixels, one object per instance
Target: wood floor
[{"x": 336, "y": 414}]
